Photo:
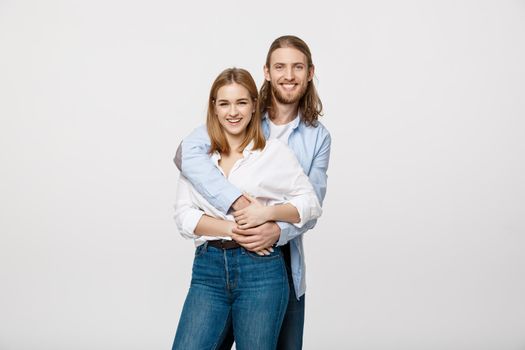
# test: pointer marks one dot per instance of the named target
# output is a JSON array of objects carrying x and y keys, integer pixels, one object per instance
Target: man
[{"x": 291, "y": 108}]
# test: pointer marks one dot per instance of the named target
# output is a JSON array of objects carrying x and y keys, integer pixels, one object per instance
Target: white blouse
[{"x": 273, "y": 176}]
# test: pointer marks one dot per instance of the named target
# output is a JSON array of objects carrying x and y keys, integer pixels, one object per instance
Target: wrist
[
  {"x": 240, "y": 203},
  {"x": 269, "y": 213},
  {"x": 228, "y": 227},
  {"x": 277, "y": 229},
  {"x": 281, "y": 236}
]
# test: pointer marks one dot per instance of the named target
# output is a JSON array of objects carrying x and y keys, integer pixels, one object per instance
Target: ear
[
  {"x": 266, "y": 73},
  {"x": 311, "y": 73}
]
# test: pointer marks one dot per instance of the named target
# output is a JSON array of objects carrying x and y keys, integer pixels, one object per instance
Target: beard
[{"x": 281, "y": 98}]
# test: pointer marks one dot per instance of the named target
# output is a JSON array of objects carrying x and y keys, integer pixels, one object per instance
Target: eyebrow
[
  {"x": 293, "y": 63},
  {"x": 238, "y": 100}
]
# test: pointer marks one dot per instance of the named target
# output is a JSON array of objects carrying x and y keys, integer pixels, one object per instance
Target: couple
[{"x": 244, "y": 198}]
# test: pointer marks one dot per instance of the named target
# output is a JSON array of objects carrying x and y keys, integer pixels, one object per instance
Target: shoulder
[
  {"x": 318, "y": 137},
  {"x": 319, "y": 130},
  {"x": 200, "y": 132}
]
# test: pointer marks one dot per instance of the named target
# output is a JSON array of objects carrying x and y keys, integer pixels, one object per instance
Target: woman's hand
[{"x": 254, "y": 214}]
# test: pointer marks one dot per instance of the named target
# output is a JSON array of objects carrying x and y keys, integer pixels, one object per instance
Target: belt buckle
[{"x": 223, "y": 243}]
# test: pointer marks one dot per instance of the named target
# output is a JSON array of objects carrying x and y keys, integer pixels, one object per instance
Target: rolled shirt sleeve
[
  {"x": 187, "y": 215},
  {"x": 318, "y": 178},
  {"x": 296, "y": 187}
]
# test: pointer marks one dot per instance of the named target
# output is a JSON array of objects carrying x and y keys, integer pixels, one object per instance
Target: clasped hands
[{"x": 254, "y": 230}]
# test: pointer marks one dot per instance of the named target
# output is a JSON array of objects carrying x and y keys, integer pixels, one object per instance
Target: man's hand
[
  {"x": 253, "y": 215},
  {"x": 240, "y": 203},
  {"x": 258, "y": 238}
]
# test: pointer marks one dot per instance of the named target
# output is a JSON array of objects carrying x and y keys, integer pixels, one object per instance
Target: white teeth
[
  {"x": 233, "y": 120},
  {"x": 288, "y": 86}
]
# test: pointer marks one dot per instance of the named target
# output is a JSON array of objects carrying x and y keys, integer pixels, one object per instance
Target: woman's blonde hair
[{"x": 253, "y": 129}]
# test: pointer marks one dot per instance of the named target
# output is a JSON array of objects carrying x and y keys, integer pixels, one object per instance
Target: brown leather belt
[{"x": 224, "y": 244}]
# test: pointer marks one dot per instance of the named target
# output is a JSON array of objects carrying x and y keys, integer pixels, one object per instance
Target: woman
[{"x": 230, "y": 285}]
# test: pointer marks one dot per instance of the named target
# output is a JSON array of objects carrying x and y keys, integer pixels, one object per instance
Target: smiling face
[
  {"x": 234, "y": 109},
  {"x": 288, "y": 74}
]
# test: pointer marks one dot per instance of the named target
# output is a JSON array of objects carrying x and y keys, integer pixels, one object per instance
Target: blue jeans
[
  {"x": 233, "y": 289},
  {"x": 291, "y": 334}
]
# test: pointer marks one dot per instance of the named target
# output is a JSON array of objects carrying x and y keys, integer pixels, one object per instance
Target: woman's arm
[
  {"x": 287, "y": 179},
  {"x": 318, "y": 178},
  {"x": 210, "y": 226},
  {"x": 192, "y": 221},
  {"x": 256, "y": 213}
]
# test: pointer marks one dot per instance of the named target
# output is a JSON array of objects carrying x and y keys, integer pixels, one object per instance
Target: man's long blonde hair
[{"x": 310, "y": 105}]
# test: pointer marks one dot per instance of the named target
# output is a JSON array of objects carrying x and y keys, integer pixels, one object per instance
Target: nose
[
  {"x": 233, "y": 110},
  {"x": 288, "y": 73}
]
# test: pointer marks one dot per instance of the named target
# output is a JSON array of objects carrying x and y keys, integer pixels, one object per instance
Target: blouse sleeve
[
  {"x": 291, "y": 180},
  {"x": 187, "y": 214}
]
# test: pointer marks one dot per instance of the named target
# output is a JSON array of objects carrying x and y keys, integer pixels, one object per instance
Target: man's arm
[
  {"x": 193, "y": 161},
  {"x": 282, "y": 232}
]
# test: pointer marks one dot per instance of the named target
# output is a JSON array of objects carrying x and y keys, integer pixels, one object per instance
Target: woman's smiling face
[{"x": 234, "y": 108}]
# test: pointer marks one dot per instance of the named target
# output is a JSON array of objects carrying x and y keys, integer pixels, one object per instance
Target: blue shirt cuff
[
  {"x": 229, "y": 198},
  {"x": 285, "y": 228}
]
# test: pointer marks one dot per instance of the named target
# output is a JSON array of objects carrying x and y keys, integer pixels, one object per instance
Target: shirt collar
[
  {"x": 295, "y": 122},
  {"x": 247, "y": 151}
]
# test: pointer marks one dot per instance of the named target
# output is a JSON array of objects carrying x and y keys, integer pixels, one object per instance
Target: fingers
[
  {"x": 251, "y": 243},
  {"x": 255, "y": 246},
  {"x": 238, "y": 213},
  {"x": 241, "y": 220},
  {"x": 244, "y": 239},
  {"x": 250, "y": 198},
  {"x": 246, "y": 225},
  {"x": 248, "y": 232},
  {"x": 263, "y": 252}
]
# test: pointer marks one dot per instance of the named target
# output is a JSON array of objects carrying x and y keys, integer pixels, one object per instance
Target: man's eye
[{"x": 299, "y": 67}]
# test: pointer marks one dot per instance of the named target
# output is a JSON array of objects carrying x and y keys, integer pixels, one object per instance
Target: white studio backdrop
[{"x": 421, "y": 242}]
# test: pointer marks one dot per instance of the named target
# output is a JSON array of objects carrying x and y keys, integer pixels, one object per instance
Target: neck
[
  {"x": 283, "y": 113},
  {"x": 234, "y": 141}
]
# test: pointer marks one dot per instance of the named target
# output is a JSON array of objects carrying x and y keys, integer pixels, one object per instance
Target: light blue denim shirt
[{"x": 310, "y": 144}]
